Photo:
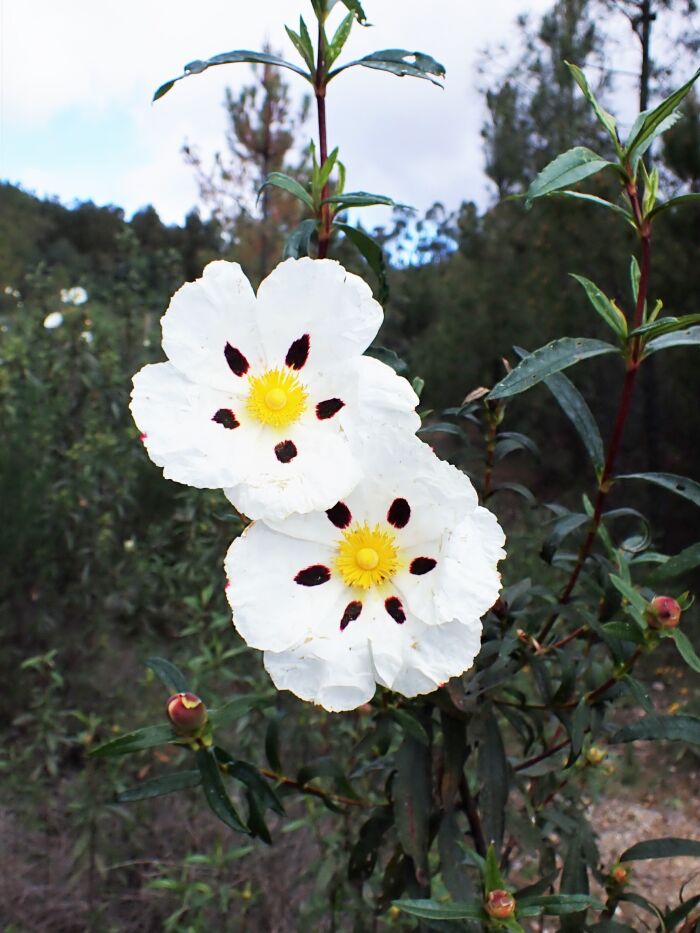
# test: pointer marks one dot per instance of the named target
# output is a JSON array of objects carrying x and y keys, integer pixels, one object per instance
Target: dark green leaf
[
  {"x": 612, "y": 315},
  {"x": 687, "y": 488},
  {"x": 680, "y": 338},
  {"x": 364, "y": 854},
  {"x": 685, "y": 649},
  {"x": 443, "y": 427},
  {"x": 148, "y": 737},
  {"x": 159, "y": 786},
  {"x": 567, "y": 169},
  {"x": 358, "y": 199},
  {"x": 651, "y": 121},
  {"x": 298, "y": 243},
  {"x": 669, "y": 847},
  {"x": 639, "y": 692},
  {"x": 289, "y": 184},
  {"x": 399, "y": 62},
  {"x": 215, "y": 792},
  {"x": 372, "y": 252},
  {"x": 228, "y": 58},
  {"x": 412, "y": 798},
  {"x": 677, "y": 566},
  {"x": 432, "y": 910},
  {"x": 625, "y": 631},
  {"x": 560, "y": 530},
  {"x": 593, "y": 199},
  {"x": 170, "y": 675},
  {"x": 493, "y": 879},
  {"x": 678, "y": 914},
  {"x": 574, "y": 879},
  {"x": 494, "y": 780},
  {"x": 556, "y": 904},
  {"x": 355, "y": 8},
  {"x": 580, "y": 721},
  {"x": 548, "y": 360},
  {"x": 390, "y": 357},
  {"x": 238, "y": 707},
  {"x": 410, "y": 725},
  {"x": 326, "y": 767},
  {"x": 665, "y": 325},
  {"x": 256, "y": 820},
  {"x": 674, "y": 202},
  {"x": 577, "y": 411},
  {"x": 452, "y": 869},
  {"x": 605, "y": 118},
  {"x": 517, "y": 488},
  {"x": 302, "y": 43},
  {"x": 340, "y": 37},
  {"x": 250, "y": 776},
  {"x": 680, "y": 728}
]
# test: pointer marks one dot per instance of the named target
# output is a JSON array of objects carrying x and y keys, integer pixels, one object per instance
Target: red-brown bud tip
[
  {"x": 620, "y": 874},
  {"x": 663, "y": 612},
  {"x": 500, "y": 904},
  {"x": 187, "y": 713}
]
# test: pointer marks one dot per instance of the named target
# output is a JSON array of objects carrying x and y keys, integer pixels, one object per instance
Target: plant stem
[
  {"x": 623, "y": 409},
  {"x": 320, "y": 91},
  {"x": 473, "y": 817},
  {"x": 314, "y": 791}
]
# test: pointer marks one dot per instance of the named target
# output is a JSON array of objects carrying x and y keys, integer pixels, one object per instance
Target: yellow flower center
[
  {"x": 276, "y": 398},
  {"x": 366, "y": 556}
]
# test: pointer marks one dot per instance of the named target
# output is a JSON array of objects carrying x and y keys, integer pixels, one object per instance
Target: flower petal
[
  {"x": 206, "y": 316},
  {"x": 319, "y": 298},
  {"x": 337, "y": 680}
]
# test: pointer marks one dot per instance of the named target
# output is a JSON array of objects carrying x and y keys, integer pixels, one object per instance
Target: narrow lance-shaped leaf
[
  {"x": 679, "y": 728},
  {"x": 359, "y": 199},
  {"x": 550, "y": 359},
  {"x": 692, "y": 198},
  {"x": 653, "y": 119},
  {"x": 149, "y": 737},
  {"x": 412, "y": 803},
  {"x": 679, "y": 565},
  {"x": 305, "y": 50},
  {"x": 556, "y": 904},
  {"x": 159, "y": 786},
  {"x": 579, "y": 414},
  {"x": 298, "y": 243},
  {"x": 400, "y": 62},
  {"x": 494, "y": 778},
  {"x": 335, "y": 46},
  {"x": 229, "y": 58},
  {"x": 167, "y": 673},
  {"x": 680, "y": 338},
  {"x": 289, "y": 184},
  {"x": 215, "y": 792},
  {"x": 685, "y": 649},
  {"x": 607, "y": 309},
  {"x": 665, "y": 325},
  {"x": 433, "y": 910},
  {"x": 372, "y": 252},
  {"x": 355, "y": 8},
  {"x": 567, "y": 169},
  {"x": 686, "y": 488},
  {"x": 594, "y": 199},
  {"x": 668, "y": 847},
  {"x": 605, "y": 118}
]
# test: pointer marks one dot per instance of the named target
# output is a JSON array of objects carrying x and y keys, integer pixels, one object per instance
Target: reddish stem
[
  {"x": 320, "y": 90},
  {"x": 623, "y": 409}
]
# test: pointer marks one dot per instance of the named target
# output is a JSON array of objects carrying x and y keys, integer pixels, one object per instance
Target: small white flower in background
[
  {"x": 386, "y": 587},
  {"x": 53, "y": 320},
  {"x": 269, "y": 397},
  {"x": 74, "y": 296},
  {"x": 12, "y": 292},
  {"x": 87, "y": 336}
]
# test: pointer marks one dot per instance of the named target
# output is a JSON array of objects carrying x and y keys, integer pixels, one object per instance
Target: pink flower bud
[
  {"x": 187, "y": 713},
  {"x": 500, "y": 904},
  {"x": 663, "y": 612}
]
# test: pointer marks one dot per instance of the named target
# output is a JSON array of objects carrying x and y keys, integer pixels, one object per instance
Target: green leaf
[
  {"x": 365, "y": 852},
  {"x": 136, "y": 741},
  {"x": 272, "y": 746},
  {"x": 372, "y": 252},
  {"x": 574, "y": 878},
  {"x": 550, "y": 359},
  {"x": 355, "y": 8},
  {"x": 567, "y": 169},
  {"x": 605, "y": 118},
  {"x": 158, "y": 787},
  {"x": 685, "y": 649},
  {"x": 675, "y": 916},
  {"x": 666, "y": 124},
  {"x": 579, "y": 414},
  {"x": 327, "y": 767},
  {"x": 256, "y": 820},
  {"x": 289, "y": 184},
  {"x": 665, "y": 325},
  {"x": 298, "y": 243},
  {"x": 400, "y": 62},
  {"x": 171, "y": 676},
  {"x": 594, "y": 199},
  {"x": 443, "y": 427},
  {"x": 639, "y": 692},
  {"x": 679, "y": 565},
  {"x": 389, "y": 357},
  {"x": 686, "y": 488},
  {"x": 215, "y": 792},
  {"x": 606, "y": 308},
  {"x": 678, "y": 728},
  {"x": 633, "y": 597},
  {"x": 517, "y": 488},
  {"x": 494, "y": 781},
  {"x": 635, "y": 276},
  {"x": 493, "y": 879},
  {"x": 625, "y": 631},
  {"x": 668, "y": 847},
  {"x": 340, "y": 37},
  {"x": 412, "y": 801},
  {"x": 556, "y": 904},
  {"x": 358, "y": 199},
  {"x": 326, "y": 169},
  {"x": 302, "y": 43},
  {"x": 238, "y": 707},
  {"x": 229, "y": 58},
  {"x": 674, "y": 202},
  {"x": 432, "y": 910},
  {"x": 649, "y": 125},
  {"x": 410, "y": 725},
  {"x": 680, "y": 338}
]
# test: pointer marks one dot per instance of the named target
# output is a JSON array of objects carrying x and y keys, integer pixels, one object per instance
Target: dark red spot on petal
[
  {"x": 226, "y": 417},
  {"x": 298, "y": 352},
  {"x": 395, "y": 609},
  {"x": 313, "y": 576},
  {"x": 339, "y": 515},
  {"x": 237, "y": 363},
  {"x": 352, "y": 611},
  {"x": 421, "y": 565},
  {"x": 285, "y": 451},
  {"x": 399, "y": 513},
  {"x": 327, "y": 409}
]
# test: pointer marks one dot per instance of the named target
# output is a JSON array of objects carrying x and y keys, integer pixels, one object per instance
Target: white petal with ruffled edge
[
  {"x": 410, "y": 633},
  {"x": 311, "y": 320}
]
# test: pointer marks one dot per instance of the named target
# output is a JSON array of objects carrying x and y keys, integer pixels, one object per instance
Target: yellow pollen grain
[
  {"x": 366, "y": 557},
  {"x": 276, "y": 399}
]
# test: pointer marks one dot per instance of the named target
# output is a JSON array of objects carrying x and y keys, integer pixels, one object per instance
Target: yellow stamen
[
  {"x": 366, "y": 556},
  {"x": 276, "y": 398}
]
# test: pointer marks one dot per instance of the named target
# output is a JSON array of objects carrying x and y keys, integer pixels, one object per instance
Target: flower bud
[
  {"x": 663, "y": 612},
  {"x": 500, "y": 904},
  {"x": 595, "y": 755},
  {"x": 619, "y": 874},
  {"x": 187, "y": 713}
]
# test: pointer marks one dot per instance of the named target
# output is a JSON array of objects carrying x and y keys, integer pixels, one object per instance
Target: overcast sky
[{"x": 76, "y": 79}]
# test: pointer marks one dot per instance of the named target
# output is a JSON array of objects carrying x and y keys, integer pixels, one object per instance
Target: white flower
[
  {"x": 388, "y": 586},
  {"x": 87, "y": 336},
  {"x": 74, "y": 296},
  {"x": 269, "y": 397},
  {"x": 53, "y": 320}
]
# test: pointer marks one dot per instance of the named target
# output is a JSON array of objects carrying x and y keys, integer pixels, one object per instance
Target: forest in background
[{"x": 102, "y": 562}]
